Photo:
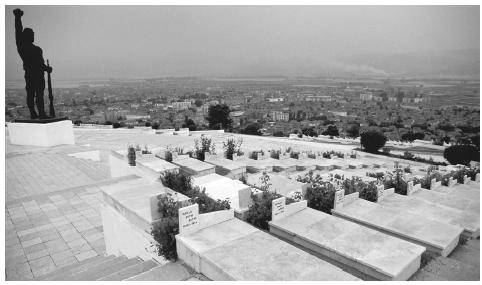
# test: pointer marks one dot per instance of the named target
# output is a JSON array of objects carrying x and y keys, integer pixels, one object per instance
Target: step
[
  {"x": 131, "y": 271},
  {"x": 79, "y": 271},
  {"x": 172, "y": 271},
  {"x": 106, "y": 268},
  {"x": 68, "y": 270}
]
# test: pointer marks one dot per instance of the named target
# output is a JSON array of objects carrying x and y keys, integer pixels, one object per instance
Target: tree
[
  {"x": 461, "y": 154},
  {"x": 332, "y": 130},
  {"x": 353, "y": 131},
  {"x": 218, "y": 117},
  {"x": 309, "y": 132},
  {"x": 372, "y": 140},
  {"x": 188, "y": 123},
  {"x": 198, "y": 103},
  {"x": 252, "y": 129}
]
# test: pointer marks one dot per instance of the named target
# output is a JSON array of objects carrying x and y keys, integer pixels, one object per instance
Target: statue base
[{"x": 41, "y": 132}]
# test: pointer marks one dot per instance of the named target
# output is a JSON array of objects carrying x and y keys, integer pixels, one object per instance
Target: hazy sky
[{"x": 141, "y": 41}]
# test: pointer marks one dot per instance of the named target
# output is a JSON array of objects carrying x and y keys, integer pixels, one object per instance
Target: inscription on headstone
[
  {"x": 380, "y": 192},
  {"x": 189, "y": 219},
  {"x": 477, "y": 177},
  {"x": 466, "y": 179},
  {"x": 339, "y": 199},
  {"x": 278, "y": 208},
  {"x": 410, "y": 188},
  {"x": 432, "y": 184}
]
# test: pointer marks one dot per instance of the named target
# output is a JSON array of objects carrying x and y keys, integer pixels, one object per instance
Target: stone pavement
[{"x": 52, "y": 214}]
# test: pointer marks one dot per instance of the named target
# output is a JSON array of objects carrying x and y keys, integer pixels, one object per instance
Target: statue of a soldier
[{"x": 34, "y": 66}]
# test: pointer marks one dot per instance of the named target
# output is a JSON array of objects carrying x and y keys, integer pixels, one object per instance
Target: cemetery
[
  {"x": 383, "y": 239},
  {"x": 327, "y": 215}
]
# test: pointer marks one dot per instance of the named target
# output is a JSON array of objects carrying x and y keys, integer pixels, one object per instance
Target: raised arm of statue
[{"x": 18, "y": 27}]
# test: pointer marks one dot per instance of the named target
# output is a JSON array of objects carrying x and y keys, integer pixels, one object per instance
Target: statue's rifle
[{"x": 51, "y": 96}]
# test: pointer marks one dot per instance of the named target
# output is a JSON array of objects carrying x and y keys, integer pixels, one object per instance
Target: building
[
  {"x": 366, "y": 96},
  {"x": 318, "y": 98},
  {"x": 274, "y": 100},
  {"x": 280, "y": 116},
  {"x": 181, "y": 105}
]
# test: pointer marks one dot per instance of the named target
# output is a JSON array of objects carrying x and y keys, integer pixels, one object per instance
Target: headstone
[
  {"x": 410, "y": 188},
  {"x": 477, "y": 177},
  {"x": 380, "y": 192},
  {"x": 278, "y": 208},
  {"x": 466, "y": 179},
  {"x": 433, "y": 183},
  {"x": 474, "y": 164},
  {"x": 339, "y": 199},
  {"x": 451, "y": 182},
  {"x": 189, "y": 219}
]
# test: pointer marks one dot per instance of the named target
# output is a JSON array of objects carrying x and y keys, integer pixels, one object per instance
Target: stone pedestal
[{"x": 41, "y": 134}]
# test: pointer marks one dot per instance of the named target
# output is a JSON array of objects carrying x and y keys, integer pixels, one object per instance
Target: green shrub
[
  {"x": 165, "y": 230},
  {"x": 275, "y": 154},
  {"x": 232, "y": 147},
  {"x": 408, "y": 155},
  {"x": 372, "y": 140},
  {"x": 294, "y": 155},
  {"x": 320, "y": 194},
  {"x": 205, "y": 144},
  {"x": 259, "y": 213}
]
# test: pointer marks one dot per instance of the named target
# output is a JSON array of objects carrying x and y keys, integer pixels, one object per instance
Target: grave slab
[
  {"x": 408, "y": 204},
  {"x": 279, "y": 183},
  {"x": 452, "y": 201},
  {"x": 227, "y": 167},
  {"x": 378, "y": 255},
  {"x": 468, "y": 191},
  {"x": 220, "y": 187},
  {"x": 232, "y": 250},
  {"x": 193, "y": 167},
  {"x": 436, "y": 237}
]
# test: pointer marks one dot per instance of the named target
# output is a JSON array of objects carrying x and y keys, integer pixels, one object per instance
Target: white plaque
[
  {"x": 380, "y": 190},
  {"x": 189, "y": 219},
  {"x": 339, "y": 199},
  {"x": 409, "y": 188},
  {"x": 466, "y": 179},
  {"x": 278, "y": 208},
  {"x": 451, "y": 182},
  {"x": 432, "y": 184},
  {"x": 477, "y": 177}
]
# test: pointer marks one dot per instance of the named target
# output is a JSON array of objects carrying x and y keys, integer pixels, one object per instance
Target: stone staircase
[
  {"x": 112, "y": 268},
  {"x": 463, "y": 264}
]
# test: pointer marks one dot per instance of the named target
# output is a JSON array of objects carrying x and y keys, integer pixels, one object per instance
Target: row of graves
[{"x": 360, "y": 240}]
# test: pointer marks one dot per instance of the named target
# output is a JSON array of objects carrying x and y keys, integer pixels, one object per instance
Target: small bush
[
  {"x": 205, "y": 144},
  {"x": 294, "y": 155},
  {"x": 408, "y": 155},
  {"x": 386, "y": 150},
  {"x": 232, "y": 147},
  {"x": 259, "y": 213},
  {"x": 165, "y": 230},
  {"x": 275, "y": 154}
]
